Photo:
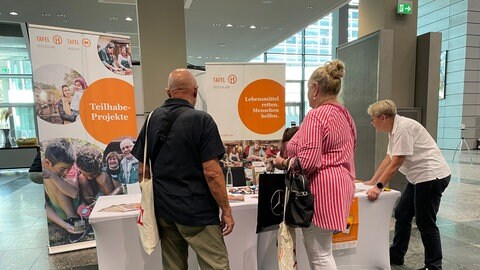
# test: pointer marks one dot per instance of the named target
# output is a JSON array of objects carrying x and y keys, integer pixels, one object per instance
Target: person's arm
[
  {"x": 395, "y": 163},
  {"x": 281, "y": 163},
  {"x": 216, "y": 183},
  {"x": 119, "y": 61},
  {"x": 379, "y": 171},
  {"x": 63, "y": 115},
  {"x": 63, "y": 185},
  {"x": 51, "y": 215},
  {"x": 104, "y": 57},
  {"x": 106, "y": 185}
]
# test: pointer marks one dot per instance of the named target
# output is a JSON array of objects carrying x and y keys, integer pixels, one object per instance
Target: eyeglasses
[{"x": 372, "y": 119}]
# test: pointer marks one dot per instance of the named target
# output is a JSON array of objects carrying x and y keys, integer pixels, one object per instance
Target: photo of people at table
[
  {"x": 57, "y": 93},
  {"x": 115, "y": 55},
  {"x": 253, "y": 156},
  {"x": 119, "y": 162},
  {"x": 73, "y": 179}
]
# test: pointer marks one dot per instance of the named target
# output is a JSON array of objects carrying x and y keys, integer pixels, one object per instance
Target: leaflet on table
[{"x": 124, "y": 207}]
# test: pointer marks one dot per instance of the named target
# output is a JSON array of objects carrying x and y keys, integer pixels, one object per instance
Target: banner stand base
[{"x": 71, "y": 247}]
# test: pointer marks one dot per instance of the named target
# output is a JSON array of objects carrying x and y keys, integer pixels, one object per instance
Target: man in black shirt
[{"x": 189, "y": 186}]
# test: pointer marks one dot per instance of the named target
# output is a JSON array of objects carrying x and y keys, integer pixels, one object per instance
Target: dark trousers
[{"x": 422, "y": 202}]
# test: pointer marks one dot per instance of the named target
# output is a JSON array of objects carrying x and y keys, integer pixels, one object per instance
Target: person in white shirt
[{"x": 413, "y": 152}]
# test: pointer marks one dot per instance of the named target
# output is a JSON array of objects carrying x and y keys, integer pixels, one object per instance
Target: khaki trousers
[{"x": 206, "y": 241}]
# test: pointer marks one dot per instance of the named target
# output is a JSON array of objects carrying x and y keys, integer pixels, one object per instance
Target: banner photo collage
[{"x": 85, "y": 106}]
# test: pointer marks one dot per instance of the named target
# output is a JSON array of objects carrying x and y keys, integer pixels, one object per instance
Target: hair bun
[{"x": 335, "y": 69}]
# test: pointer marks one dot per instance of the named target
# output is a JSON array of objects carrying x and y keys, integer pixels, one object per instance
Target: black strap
[{"x": 171, "y": 118}]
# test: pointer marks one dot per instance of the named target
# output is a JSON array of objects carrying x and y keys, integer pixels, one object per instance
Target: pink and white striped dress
[{"x": 325, "y": 145}]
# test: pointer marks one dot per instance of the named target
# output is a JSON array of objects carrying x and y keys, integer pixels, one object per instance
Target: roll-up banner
[
  {"x": 84, "y": 101},
  {"x": 247, "y": 101}
]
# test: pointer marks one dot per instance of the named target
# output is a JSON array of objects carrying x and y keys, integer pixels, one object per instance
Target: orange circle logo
[
  {"x": 232, "y": 79},
  {"x": 261, "y": 106},
  {"x": 57, "y": 39},
  {"x": 107, "y": 110},
  {"x": 86, "y": 42}
]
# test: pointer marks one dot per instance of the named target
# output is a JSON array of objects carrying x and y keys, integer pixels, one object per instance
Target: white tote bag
[
  {"x": 286, "y": 247},
  {"x": 287, "y": 257},
  {"x": 146, "y": 222}
]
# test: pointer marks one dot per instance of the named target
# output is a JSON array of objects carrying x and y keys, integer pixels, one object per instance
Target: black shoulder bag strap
[{"x": 171, "y": 118}]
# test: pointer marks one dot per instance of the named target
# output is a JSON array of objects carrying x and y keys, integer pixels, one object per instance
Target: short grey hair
[{"x": 386, "y": 107}]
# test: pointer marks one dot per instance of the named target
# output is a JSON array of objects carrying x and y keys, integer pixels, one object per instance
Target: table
[
  {"x": 372, "y": 251},
  {"x": 119, "y": 246},
  {"x": 17, "y": 157}
]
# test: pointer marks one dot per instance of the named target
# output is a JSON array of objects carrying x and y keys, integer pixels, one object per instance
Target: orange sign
[
  {"x": 261, "y": 106},
  {"x": 107, "y": 110},
  {"x": 350, "y": 234}
]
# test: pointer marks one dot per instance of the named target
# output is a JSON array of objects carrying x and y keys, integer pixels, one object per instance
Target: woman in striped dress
[{"x": 325, "y": 146}]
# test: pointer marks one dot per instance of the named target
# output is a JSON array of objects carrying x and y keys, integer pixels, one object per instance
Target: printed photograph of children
[{"x": 73, "y": 180}]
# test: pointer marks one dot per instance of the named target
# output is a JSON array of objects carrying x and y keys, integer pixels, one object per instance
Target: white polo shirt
[{"x": 423, "y": 159}]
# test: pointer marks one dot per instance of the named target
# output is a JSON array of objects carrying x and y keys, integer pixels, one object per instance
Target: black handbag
[{"x": 299, "y": 199}]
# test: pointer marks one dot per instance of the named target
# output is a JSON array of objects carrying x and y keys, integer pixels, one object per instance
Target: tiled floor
[{"x": 23, "y": 230}]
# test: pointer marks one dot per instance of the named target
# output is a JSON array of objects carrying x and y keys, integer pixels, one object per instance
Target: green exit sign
[
  {"x": 404, "y": 7},
  {"x": 4, "y": 70}
]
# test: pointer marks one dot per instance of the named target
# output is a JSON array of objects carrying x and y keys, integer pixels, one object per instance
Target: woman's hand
[{"x": 278, "y": 162}]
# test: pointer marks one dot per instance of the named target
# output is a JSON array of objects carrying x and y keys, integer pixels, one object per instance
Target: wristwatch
[{"x": 379, "y": 185}]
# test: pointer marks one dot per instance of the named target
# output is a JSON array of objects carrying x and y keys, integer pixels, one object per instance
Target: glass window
[
  {"x": 324, "y": 32},
  {"x": 16, "y": 92},
  {"x": 293, "y": 92},
  {"x": 306, "y": 108},
  {"x": 312, "y": 62},
  {"x": 293, "y": 67},
  {"x": 303, "y": 53},
  {"x": 16, "y": 89},
  {"x": 21, "y": 122},
  {"x": 292, "y": 114}
]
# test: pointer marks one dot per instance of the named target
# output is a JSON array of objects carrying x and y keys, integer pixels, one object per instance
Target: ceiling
[{"x": 208, "y": 37}]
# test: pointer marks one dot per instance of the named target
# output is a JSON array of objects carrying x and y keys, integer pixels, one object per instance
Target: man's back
[{"x": 181, "y": 192}]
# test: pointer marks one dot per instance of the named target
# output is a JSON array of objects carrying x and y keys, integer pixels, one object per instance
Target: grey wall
[
  {"x": 381, "y": 14},
  {"x": 368, "y": 78},
  {"x": 161, "y": 27},
  {"x": 427, "y": 79},
  {"x": 458, "y": 21}
]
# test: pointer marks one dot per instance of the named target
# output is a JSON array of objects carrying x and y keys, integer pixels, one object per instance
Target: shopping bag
[
  {"x": 299, "y": 199},
  {"x": 287, "y": 259},
  {"x": 146, "y": 222},
  {"x": 271, "y": 197}
]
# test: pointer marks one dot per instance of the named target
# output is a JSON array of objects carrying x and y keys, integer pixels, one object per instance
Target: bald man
[
  {"x": 189, "y": 186},
  {"x": 129, "y": 163}
]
